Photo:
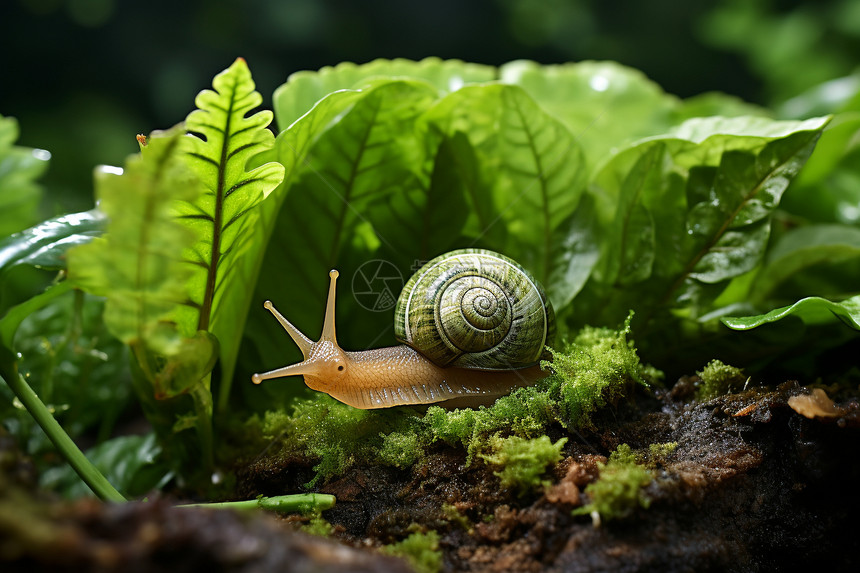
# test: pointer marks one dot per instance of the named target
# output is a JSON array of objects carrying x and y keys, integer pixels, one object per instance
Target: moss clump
[
  {"x": 657, "y": 453},
  {"x": 594, "y": 370},
  {"x": 717, "y": 379},
  {"x": 618, "y": 490},
  {"x": 337, "y": 435},
  {"x": 523, "y": 461},
  {"x": 453, "y": 515},
  {"x": 421, "y": 550},
  {"x": 400, "y": 449},
  {"x": 318, "y": 526}
]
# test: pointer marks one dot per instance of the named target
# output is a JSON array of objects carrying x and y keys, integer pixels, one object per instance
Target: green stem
[
  {"x": 76, "y": 458},
  {"x": 9, "y": 374},
  {"x": 305, "y": 502}
]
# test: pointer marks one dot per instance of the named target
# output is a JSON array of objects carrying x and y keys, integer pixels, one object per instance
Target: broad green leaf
[
  {"x": 19, "y": 167},
  {"x": 135, "y": 265},
  {"x": 806, "y": 248},
  {"x": 678, "y": 215},
  {"x": 352, "y": 150},
  {"x": 733, "y": 222},
  {"x": 223, "y": 261},
  {"x": 629, "y": 243},
  {"x": 426, "y": 218},
  {"x": 828, "y": 188},
  {"x": 481, "y": 212},
  {"x": 603, "y": 104},
  {"x": 576, "y": 256},
  {"x": 304, "y": 89},
  {"x": 811, "y": 310},
  {"x": 45, "y": 245},
  {"x": 531, "y": 164}
]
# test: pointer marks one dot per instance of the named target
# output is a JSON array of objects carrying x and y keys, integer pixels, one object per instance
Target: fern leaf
[
  {"x": 134, "y": 264},
  {"x": 225, "y": 259}
]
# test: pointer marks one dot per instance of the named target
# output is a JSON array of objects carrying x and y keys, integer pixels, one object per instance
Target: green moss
[
  {"x": 318, "y": 526},
  {"x": 421, "y": 550},
  {"x": 657, "y": 453},
  {"x": 525, "y": 412},
  {"x": 717, "y": 379},
  {"x": 400, "y": 449},
  {"x": 523, "y": 461},
  {"x": 618, "y": 490},
  {"x": 594, "y": 370},
  {"x": 453, "y": 515}
]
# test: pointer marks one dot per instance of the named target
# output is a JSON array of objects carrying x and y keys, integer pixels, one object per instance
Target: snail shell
[{"x": 474, "y": 308}]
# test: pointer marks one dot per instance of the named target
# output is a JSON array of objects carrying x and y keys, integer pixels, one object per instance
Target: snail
[{"x": 474, "y": 326}]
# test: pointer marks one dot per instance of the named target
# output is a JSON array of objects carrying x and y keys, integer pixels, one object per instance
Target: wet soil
[{"x": 753, "y": 485}]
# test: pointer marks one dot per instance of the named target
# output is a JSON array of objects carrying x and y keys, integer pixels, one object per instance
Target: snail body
[{"x": 474, "y": 325}]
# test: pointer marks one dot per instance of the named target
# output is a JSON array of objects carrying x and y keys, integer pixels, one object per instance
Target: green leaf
[
  {"x": 734, "y": 220},
  {"x": 629, "y": 247},
  {"x": 135, "y": 265},
  {"x": 828, "y": 188},
  {"x": 223, "y": 262},
  {"x": 806, "y": 248},
  {"x": 576, "y": 256},
  {"x": 41, "y": 414},
  {"x": 426, "y": 217},
  {"x": 12, "y": 320},
  {"x": 73, "y": 364},
  {"x": 304, "y": 89},
  {"x": 811, "y": 310},
  {"x": 45, "y": 245},
  {"x": 131, "y": 463},
  {"x": 19, "y": 167},
  {"x": 700, "y": 129},
  {"x": 530, "y": 162},
  {"x": 679, "y": 215},
  {"x": 603, "y": 104},
  {"x": 356, "y": 157}
]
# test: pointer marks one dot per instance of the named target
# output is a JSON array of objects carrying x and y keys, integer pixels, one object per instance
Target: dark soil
[{"x": 752, "y": 486}]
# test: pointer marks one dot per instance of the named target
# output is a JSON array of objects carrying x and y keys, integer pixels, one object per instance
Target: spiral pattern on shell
[{"x": 475, "y": 308}]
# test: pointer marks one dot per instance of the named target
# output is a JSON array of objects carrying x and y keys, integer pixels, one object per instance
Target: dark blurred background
[{"x": 84, "y": 76}]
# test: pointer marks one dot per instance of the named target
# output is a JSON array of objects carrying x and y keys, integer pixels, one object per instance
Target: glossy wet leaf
[
  {"x": 811, "y": 310},
  {"x": 45, "y": 245},
  {"x": 19, "y": 168}
]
